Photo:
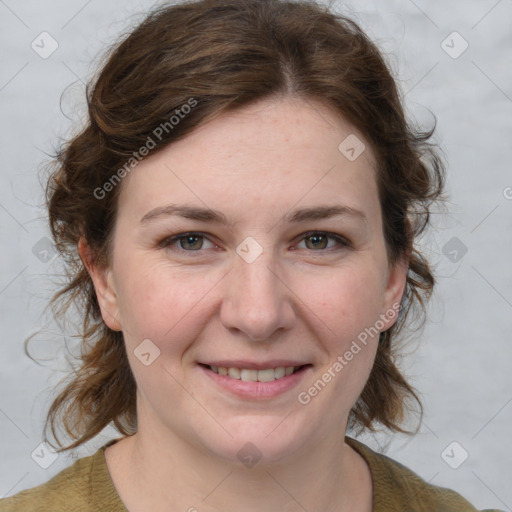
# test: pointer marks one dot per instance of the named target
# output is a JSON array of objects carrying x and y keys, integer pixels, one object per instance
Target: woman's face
[{"x": 263, "y": 277}]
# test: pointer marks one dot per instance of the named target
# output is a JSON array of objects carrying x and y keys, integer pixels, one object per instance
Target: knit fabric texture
[{"x": 87, "y": 486}]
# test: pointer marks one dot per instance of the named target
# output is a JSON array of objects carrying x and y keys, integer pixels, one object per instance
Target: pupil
[
  {"x": 317, "y": 238},
  {"x": 189, "y": 240}
]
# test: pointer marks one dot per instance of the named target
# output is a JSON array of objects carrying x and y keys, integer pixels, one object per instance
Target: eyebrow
[{"x": 214, "y": 216}]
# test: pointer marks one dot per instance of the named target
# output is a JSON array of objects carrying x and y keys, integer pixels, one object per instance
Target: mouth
[
  {"x": 266, "y": 381},
  {"x": 253, "y": 374}
]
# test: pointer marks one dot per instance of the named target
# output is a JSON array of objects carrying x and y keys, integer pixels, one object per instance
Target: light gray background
[{"x": 462, "y": 363}]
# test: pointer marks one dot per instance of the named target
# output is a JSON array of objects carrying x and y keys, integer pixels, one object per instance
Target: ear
[
  {"x": 394, "y": 291},
  {"x": 397, "y": 280},
  {"x": 102, "y": 279}
]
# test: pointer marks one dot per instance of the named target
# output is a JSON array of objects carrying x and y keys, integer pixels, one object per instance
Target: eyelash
[{"x": 342, "y": 242}]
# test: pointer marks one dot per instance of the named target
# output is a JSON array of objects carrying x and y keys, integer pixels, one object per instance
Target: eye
[
  {"x": 316, "y": 241},
  {"x": 189, "y": 242},
  {"x": 319, "y": 240}
]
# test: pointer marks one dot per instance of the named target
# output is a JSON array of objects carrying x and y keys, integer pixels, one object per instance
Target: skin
[{"x": 296, "y": 300}]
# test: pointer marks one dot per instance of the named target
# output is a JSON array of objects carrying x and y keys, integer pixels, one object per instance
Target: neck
[{"x": 153, "y": 470}]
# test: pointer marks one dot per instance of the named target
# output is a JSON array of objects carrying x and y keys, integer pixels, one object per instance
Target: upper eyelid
[{"x": 342, "y": 240}]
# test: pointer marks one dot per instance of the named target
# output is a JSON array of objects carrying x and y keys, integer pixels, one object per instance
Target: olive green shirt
[{"x": 86, "y": 486}]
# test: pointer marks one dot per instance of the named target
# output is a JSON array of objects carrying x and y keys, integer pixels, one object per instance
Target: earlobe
[{"x": 102, "y": 279}]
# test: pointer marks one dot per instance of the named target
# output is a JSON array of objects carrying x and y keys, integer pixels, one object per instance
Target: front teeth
[{"x": 267, "y": 375}]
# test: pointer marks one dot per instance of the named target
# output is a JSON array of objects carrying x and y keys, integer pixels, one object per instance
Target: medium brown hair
[{"x": 220, "y": 56}]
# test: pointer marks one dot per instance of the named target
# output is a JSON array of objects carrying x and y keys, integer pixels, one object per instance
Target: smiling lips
[
  {"x": 248, "y": 371},
  {"x": 249, "y": 380},
  {"x": 252, "y": 375}
]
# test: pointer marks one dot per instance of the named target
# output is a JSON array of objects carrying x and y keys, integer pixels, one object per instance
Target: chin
[{"x": 261, "y": 440}]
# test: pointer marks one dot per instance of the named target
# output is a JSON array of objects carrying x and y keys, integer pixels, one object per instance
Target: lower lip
[{"x": 257, "y": 390}]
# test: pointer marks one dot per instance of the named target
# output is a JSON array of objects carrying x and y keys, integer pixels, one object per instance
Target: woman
[{"x": 239, "y": 218}]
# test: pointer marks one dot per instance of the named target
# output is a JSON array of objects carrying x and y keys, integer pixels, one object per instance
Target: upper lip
[{"x": 252, "y": 365}]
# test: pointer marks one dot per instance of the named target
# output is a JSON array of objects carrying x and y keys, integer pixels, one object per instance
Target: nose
[{"x": 257, "y": 299}]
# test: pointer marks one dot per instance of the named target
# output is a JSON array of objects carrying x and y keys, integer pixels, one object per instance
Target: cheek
[
  {"x": 347, "y": 301},
  {"x": 347, "y": 307},
  {"x": 161, "y": 303},
  {"x": 171, "y": 303}
]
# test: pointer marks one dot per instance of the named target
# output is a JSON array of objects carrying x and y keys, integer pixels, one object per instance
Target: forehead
[{"x": 273, "y": 153}]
